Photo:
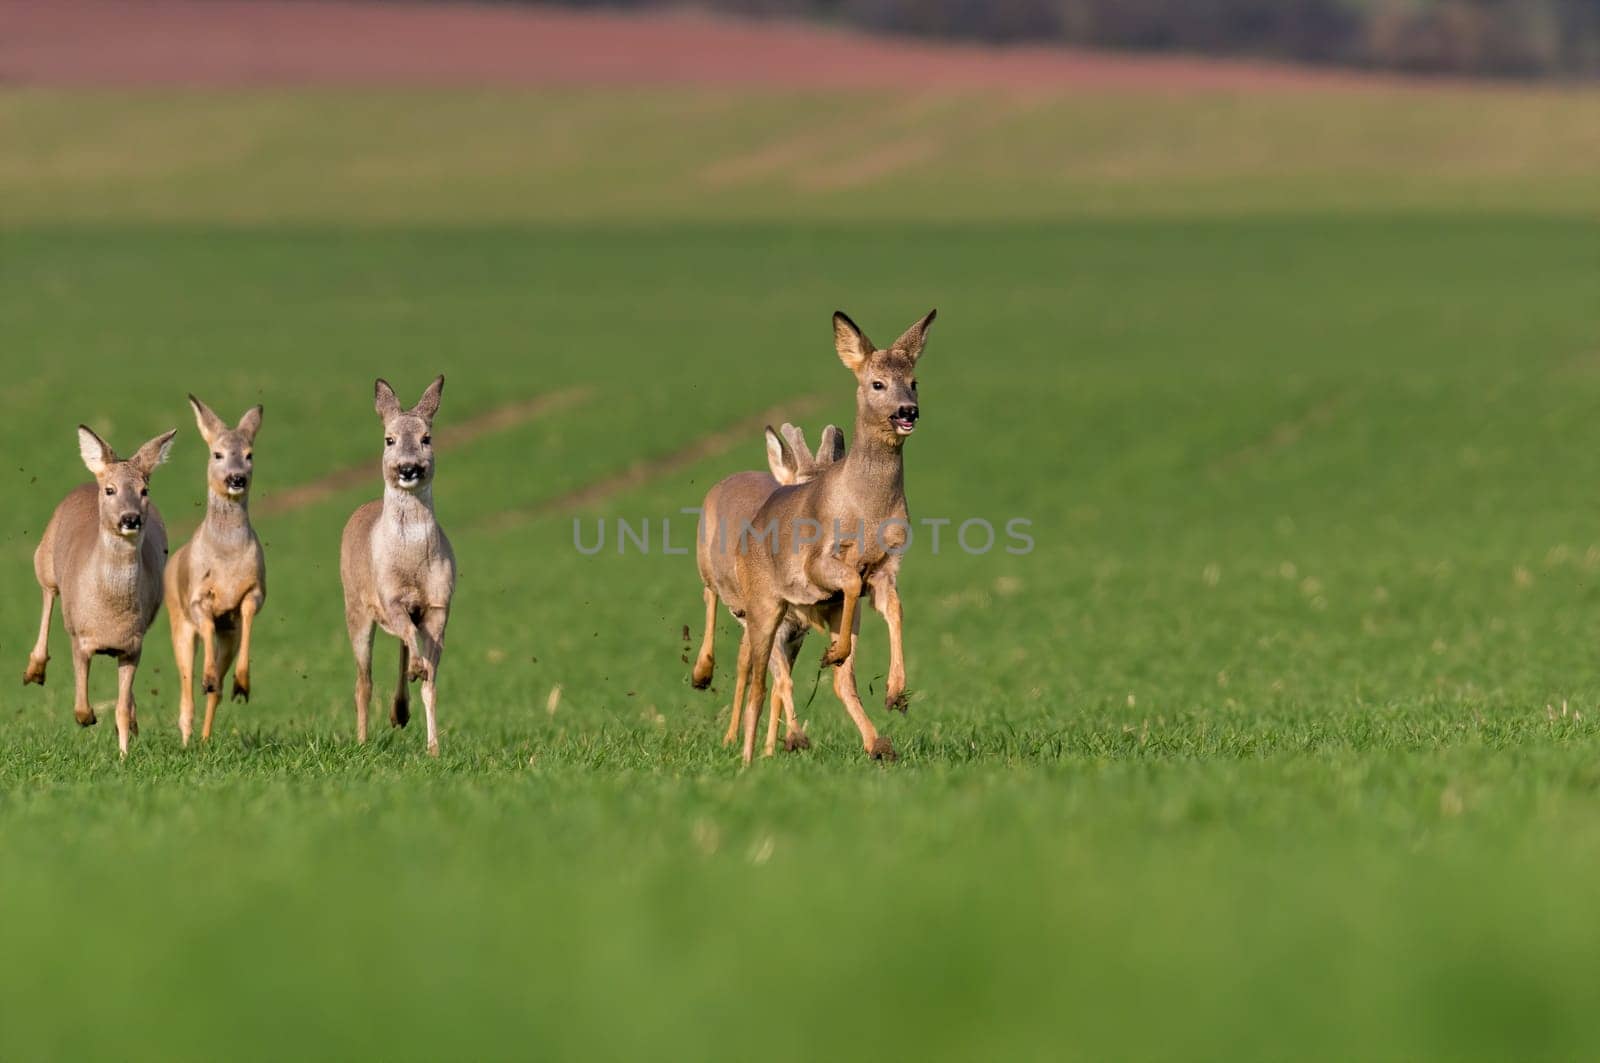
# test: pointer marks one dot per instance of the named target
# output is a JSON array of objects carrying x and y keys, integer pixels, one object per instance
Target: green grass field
[{"x": 1283, "y": 743}]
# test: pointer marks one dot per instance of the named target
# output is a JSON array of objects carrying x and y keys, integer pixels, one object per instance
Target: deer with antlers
[
  {"x": 728, "y": 509},
  {"x": 820, "y": 546}
]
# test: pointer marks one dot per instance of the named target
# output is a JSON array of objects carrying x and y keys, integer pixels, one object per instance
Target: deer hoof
[
  {"x": 882, "y": 750},
  {"x": 419, "y": 672},
  {"x": 900, "y": 702},
  {"x": 85, "y": 717},
  {"x": 795, "y": 741},
  {"x": 700, "y": 678},
  {"x": 241, "y": 688},
  {"x": 209, "y": 684},
  {"x": 35, "y": 672},
  {"x": 834, "y": 657},
  {"x": 400, "y": 712},
  {"x": 433, "y": 750}
]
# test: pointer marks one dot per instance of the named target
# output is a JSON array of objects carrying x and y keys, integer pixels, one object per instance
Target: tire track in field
[
  {"x": 797, "y": 151},
  {"x": 873, "y": 163},
  {"x": 1282, "y": 435},
  {"x": 643, "y": 472},
  {"x": 499, "y": 419}
]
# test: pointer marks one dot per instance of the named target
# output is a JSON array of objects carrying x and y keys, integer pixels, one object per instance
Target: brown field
[
  {"x": 272, "y": 111},
  {"x": 343, "y": 42}
]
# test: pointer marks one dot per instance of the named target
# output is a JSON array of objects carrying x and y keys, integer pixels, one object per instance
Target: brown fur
[
  {"x": 217, "y": 581},
  {"x": 398, "y": 569},
  {"x": 839, "y": 535},
  {"x": 728, "y": 506},
  {"x": 103, "y": 555}
]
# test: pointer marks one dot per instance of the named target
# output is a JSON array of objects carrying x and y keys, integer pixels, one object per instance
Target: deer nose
[
  {"x": 410, "y": 472},
  {"x": 237, "y": 483},
  {"x": 131, "y": 522},
  {"x": 907, "y": 413}
]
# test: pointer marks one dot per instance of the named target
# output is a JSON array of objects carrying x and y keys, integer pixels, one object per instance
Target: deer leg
[
  {"x": 227, "y": 645},
  {"x": 183, "y": 636},
  {"x": 844, "y": 685},
  {"x": 784, "y": 652},
  {"x": 706, "y": 662},
  {"x": 794, "y": 736},
  {"x": 41, "y": 649},
  {"x": 433, "y": 622},
  {"x": 400, "y": 710},
  {"x": 403, "y": 622},
  {"x": 361, "y": 645},
  {"x": 741, "y": 676},
  {"x": 886, "y": 599},
  {"x": 842, "y": 647},
  {"x": 126, "y": 668},
  {"x": 247, "y": 621},
  {"x": 81, "y": 710},
  {"x": 759, "y": 637},
  {"x": 210, "y": 678},
  {"x": 774, "y": 700}
]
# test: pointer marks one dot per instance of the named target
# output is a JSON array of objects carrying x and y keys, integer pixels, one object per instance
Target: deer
[
  {"x": 728, "y": 508},
  {"x": 102, "y": 555},
  {"x": 821, "y": 545},
  {"x": 397, "y": 567},
  {"x": 217, "y": 582}
]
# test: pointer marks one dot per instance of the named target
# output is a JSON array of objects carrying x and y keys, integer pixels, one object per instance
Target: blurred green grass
[
  {"x": 382, "y": 157},
  {"x": 1280, "y": 742}
]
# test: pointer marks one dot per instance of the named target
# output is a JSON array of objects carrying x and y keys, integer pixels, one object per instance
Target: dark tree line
[{"x": 1555, "y": 38}]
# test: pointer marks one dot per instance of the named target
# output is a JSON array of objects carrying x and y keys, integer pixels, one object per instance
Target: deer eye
[
  {"x": 248, "y": 456},
  {"x": 877, "y": 385},
  {"x": 913, "y": 385},
  {"x": 217, "y": 454},
  {"x": 144, "y": 492},
  {"x": 427, "y": 440},
  {"x": 388, "y": 441},
  {"x": 111, "y": 491}
]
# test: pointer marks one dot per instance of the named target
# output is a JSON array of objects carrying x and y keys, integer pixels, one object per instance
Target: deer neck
[
  {"x": 874, "y": 473},
  {"x": 408, "y": 514},
  {"x": 227, "y": 519},
  {"x": 118, "y": 563}
]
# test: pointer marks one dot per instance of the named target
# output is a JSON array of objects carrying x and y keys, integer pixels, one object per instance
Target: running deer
[
  {"x": 217, "y": 581},
  {"x": 102, "y": 554},
  {"x": 398, "y": 569},
  {"x": 728, "y": 508},
  {"x": 822, "y": 545}
]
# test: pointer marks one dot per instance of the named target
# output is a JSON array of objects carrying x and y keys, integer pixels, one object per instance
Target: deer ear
[
  {"x": 780, "y": 459},
  {"x": 428, "y": 405},
  {"x": 209, "y": 423},
  {"x": 915, "y": 337},
  {"x": 830, "y": 448},
  {"x": 154, "y": 453},
  {"x": 96, "y": 453},
  {"x": 384, "y": 399},
  {"x": 796, "y": 438},
  {"x": 852, "y": 344},
  {"x": 250, "y": 423}
]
